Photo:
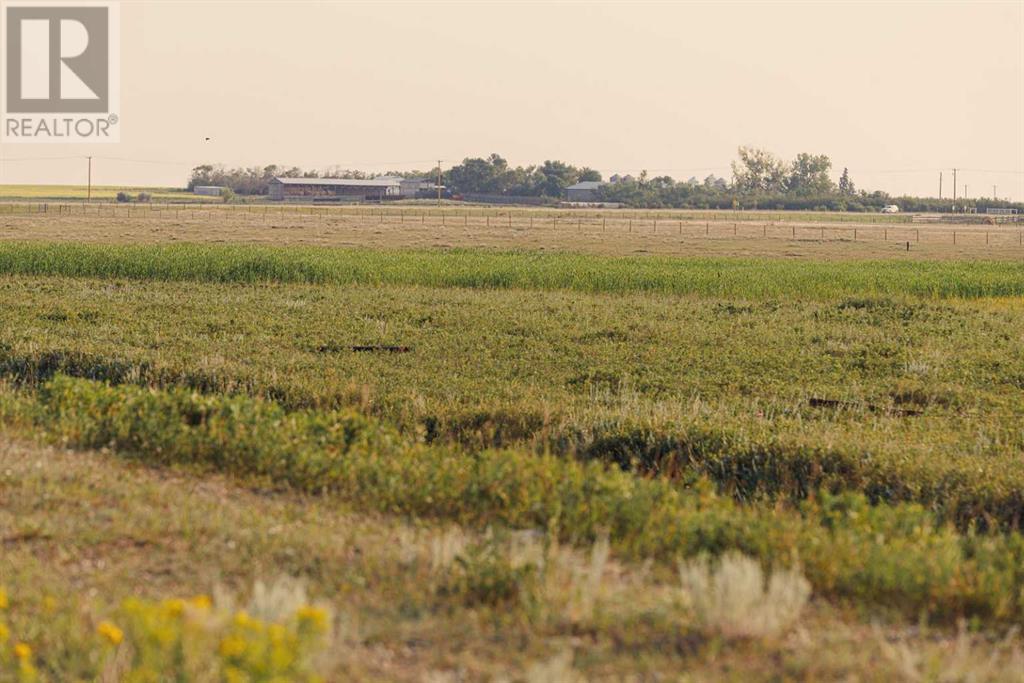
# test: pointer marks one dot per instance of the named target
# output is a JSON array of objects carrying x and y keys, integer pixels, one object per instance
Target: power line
[
  {"x": 146, "y": 161},
  {"x": 6, "y": 159},
  {"x": 978, "y": 170}
]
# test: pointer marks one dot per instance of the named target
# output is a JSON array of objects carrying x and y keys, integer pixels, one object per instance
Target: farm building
[
  {"x": 409, "y": 187},
  {"x": 208, "y": 190},
  {"x": 339, "y": 188},
  {"x": 342, "y": 189},
  {"x": 585, "y": 191}
]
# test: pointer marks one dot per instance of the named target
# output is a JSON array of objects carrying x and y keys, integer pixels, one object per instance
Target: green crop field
[{"x": 473, "y": 464}]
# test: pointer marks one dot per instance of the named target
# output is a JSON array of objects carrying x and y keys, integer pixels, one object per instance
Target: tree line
[{"x": 760, "y": 180}]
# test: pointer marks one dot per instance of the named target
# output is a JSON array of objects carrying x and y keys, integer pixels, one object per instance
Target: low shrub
[
  {"x": 971, "y": 491},
  {"x": 481, "y": 576},
  {"x": 894, "y": 556}
]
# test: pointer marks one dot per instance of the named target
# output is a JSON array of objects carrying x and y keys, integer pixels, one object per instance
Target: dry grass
[
  {"x": 609, "y": 233},
  {"x": 733, "y": 597},
  {"x": 82, "y": 531}
]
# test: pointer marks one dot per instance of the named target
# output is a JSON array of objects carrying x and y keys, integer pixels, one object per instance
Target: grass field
[
  {"x": 121, "y": 531},
  {"x": 487, "y": 464},
  {"x": 608, "y": 233},
  {"x": 58, "y": 193}
]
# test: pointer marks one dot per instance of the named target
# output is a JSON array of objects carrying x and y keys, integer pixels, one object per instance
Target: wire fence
[
  {"x": 710, "y": 225},
  {"x": 369, "y": 211}
]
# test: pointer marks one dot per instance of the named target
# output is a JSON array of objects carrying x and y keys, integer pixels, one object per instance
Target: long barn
[{"x": 341, "y": 189}]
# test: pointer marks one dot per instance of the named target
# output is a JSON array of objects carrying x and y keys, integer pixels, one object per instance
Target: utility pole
[
  {"x": 940, "y": 184},
  {"x": 954, "y": 189},
  {"x": 994, "y": 197},
  {"x": 88, "y": 192},
  {"x": 439, "y": 182}
]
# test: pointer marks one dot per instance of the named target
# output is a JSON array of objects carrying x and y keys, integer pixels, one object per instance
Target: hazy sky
[{"x": 895, "y": 91}]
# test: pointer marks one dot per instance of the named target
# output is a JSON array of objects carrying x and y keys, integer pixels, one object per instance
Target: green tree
[
  {"x": 845, "y": 184},
  {"x": 758, "y": 171},
  {"x": 808, "y": 175},
  {"x": 490, "y": 175},
  {"x": 557, "y": 176}
]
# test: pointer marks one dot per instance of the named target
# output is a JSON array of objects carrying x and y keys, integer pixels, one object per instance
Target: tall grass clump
[
  {"x": 895, "y": 556},
  {"x": 733, "y": 598},
  {"x": 748, "y": 278}
]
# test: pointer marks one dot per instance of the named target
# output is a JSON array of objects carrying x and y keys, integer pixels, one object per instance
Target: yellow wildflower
[
  {"x": 4, "y": 602},
  {"x": 201, "y": 602},
  {"x": 111, "y": 633},
  {"x": 27, "y": 671},
  {"x": 314, "y": 617},
  {"x": 241, "y": 618},
  {"x": 22, "y": 651},
  {"x": 276, "y": 633},
  {"x": 234, "y": 675},
  {"x": 174, "y": 606},
  {"x": 232, "y": 646},
  {"x": 281, "y": 657}
]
